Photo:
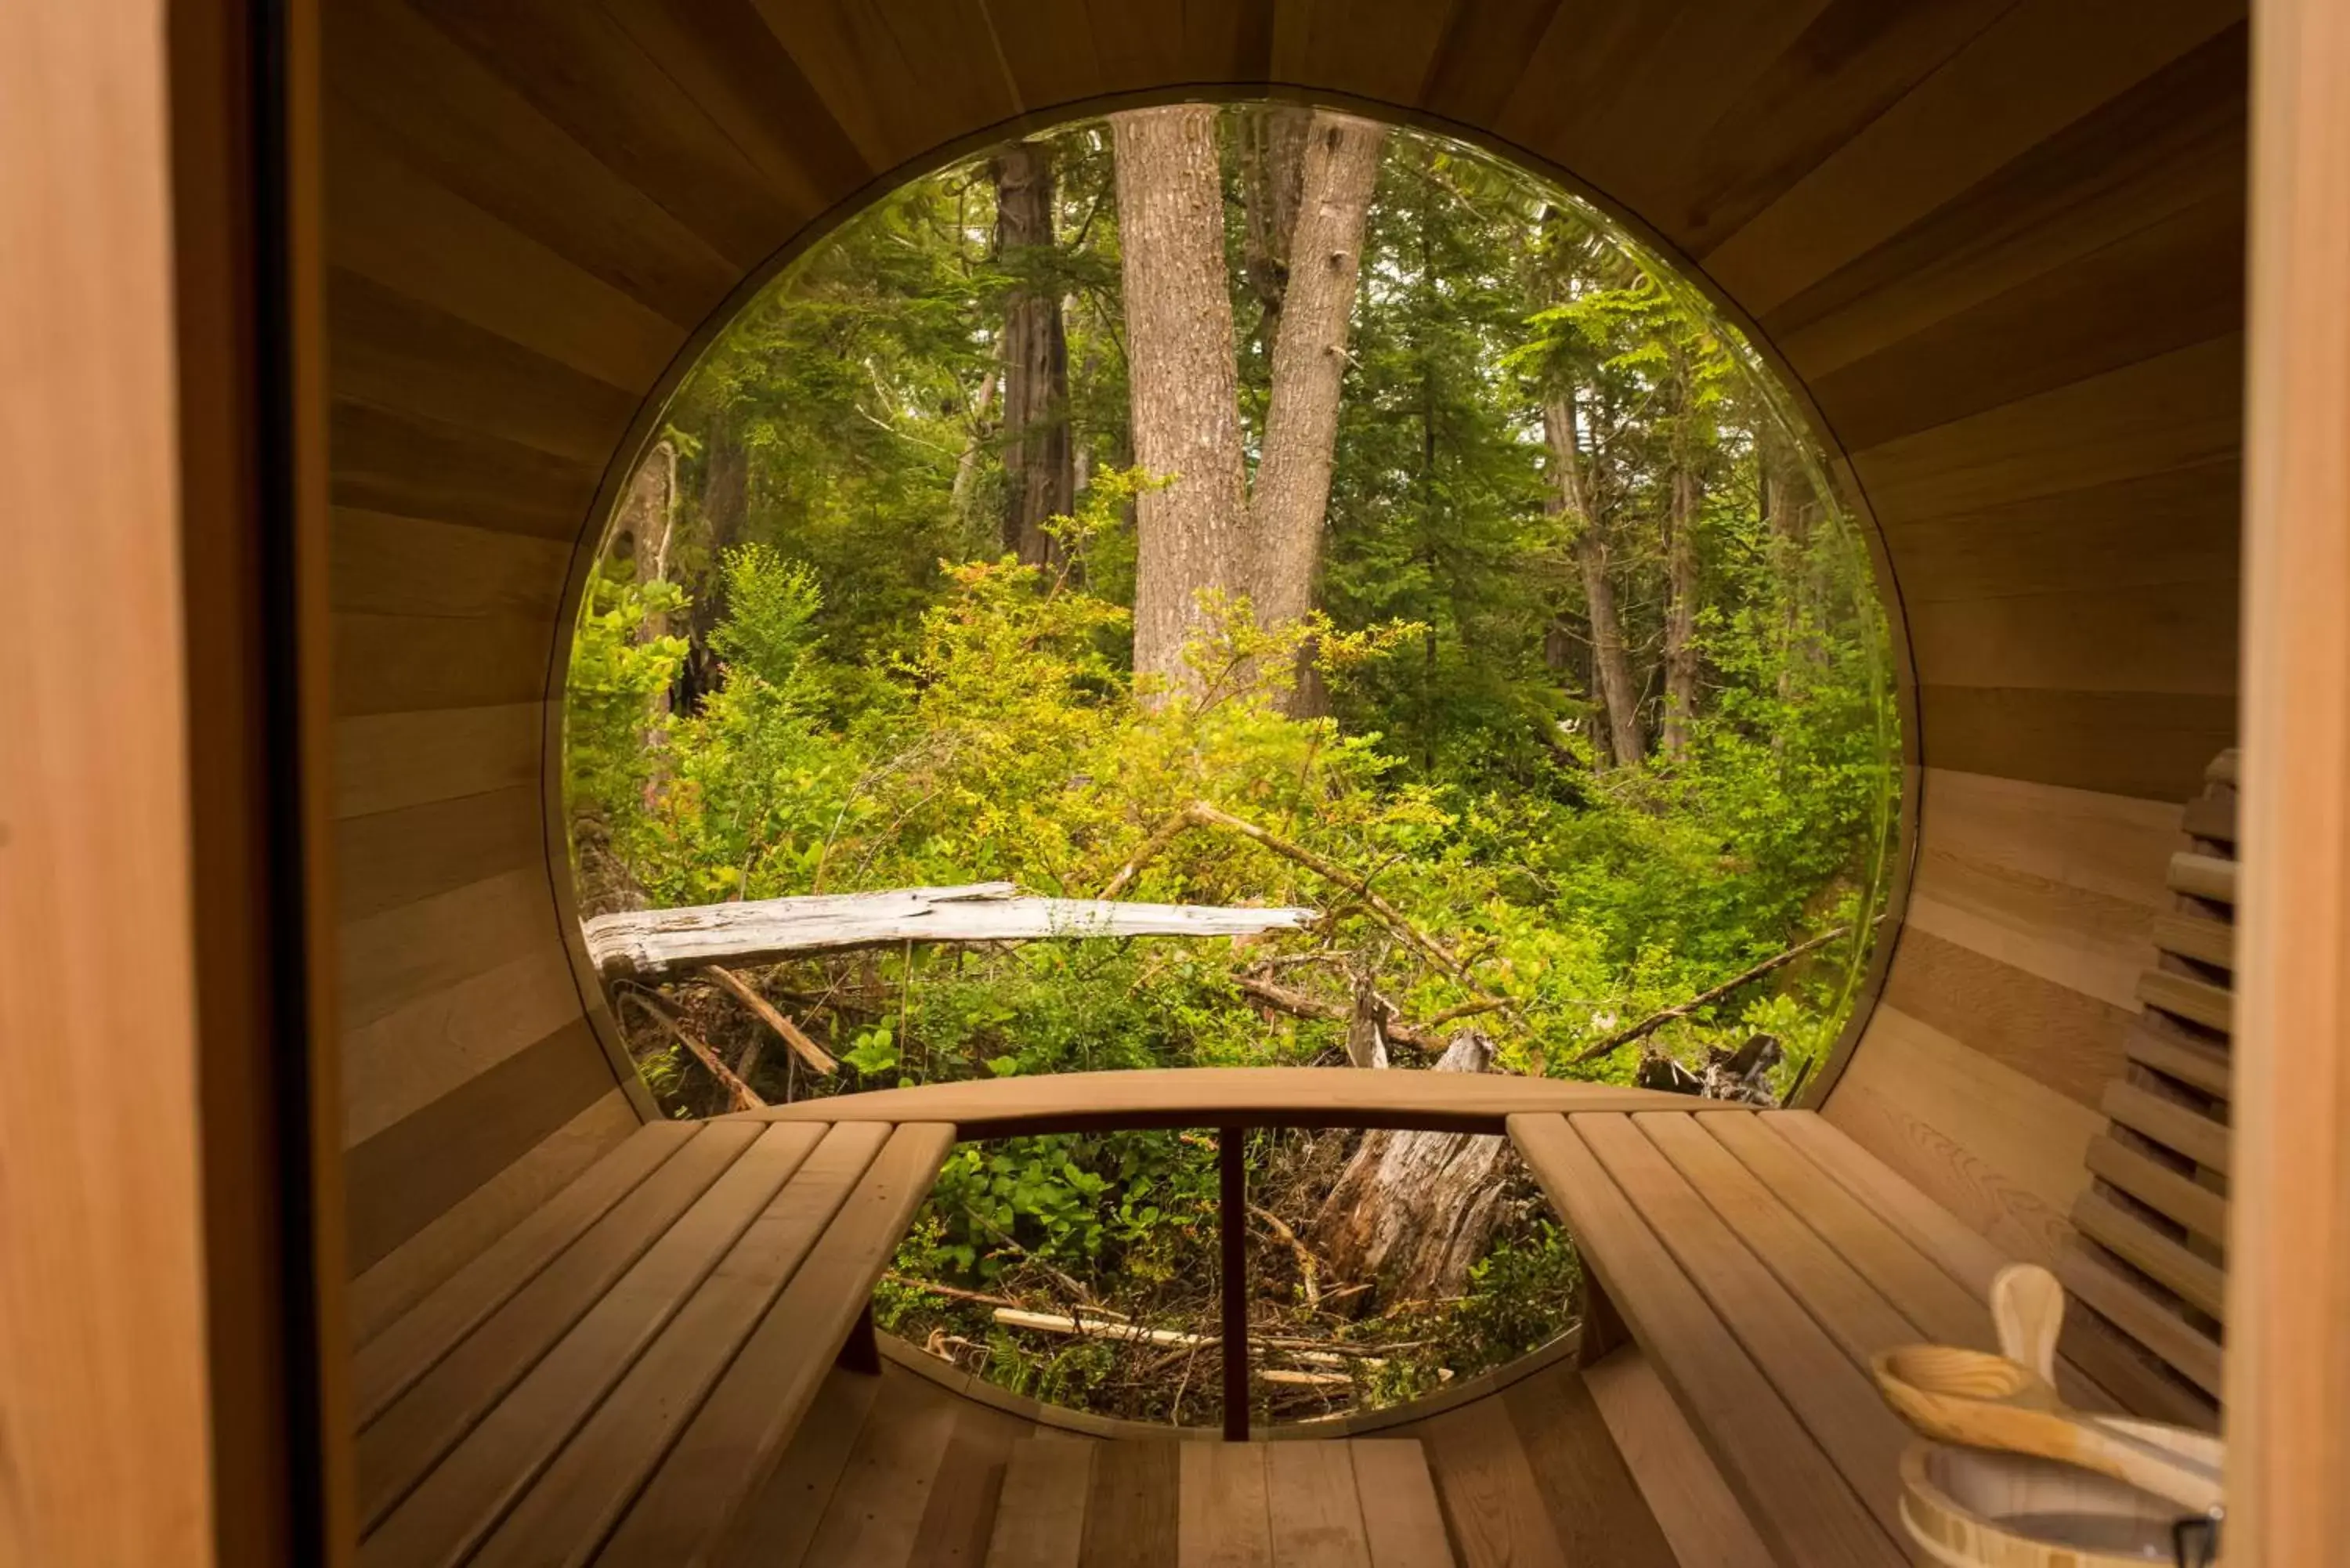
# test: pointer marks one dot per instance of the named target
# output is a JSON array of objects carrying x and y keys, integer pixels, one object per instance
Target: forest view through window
[{"x": 1258, "y": 508}]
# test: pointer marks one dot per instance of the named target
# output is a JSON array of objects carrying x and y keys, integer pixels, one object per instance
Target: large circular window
[{"x": 1253, "y": 508}]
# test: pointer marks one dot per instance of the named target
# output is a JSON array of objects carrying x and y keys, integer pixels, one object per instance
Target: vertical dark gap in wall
[{"x": 283, "y": 671}]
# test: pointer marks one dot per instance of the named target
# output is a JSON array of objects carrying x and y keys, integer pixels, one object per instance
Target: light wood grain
[
  {"x": 454, "y": 1238},
  {"x": 608, "y": 1455},
  {"x": 1314, "y": 1513},
  {"x": 1401, "y": 1519},
  {"x": 2198, "y": 1282},
  {"x": 1785, "y": 1481},
  {"x": 1222, "y": 1520},
  {"x": 1997, "y": 1150},
  {"x": 1247, "y": 1096},
  {"x": 1854, "y": 1315},
  {"x": 399, "y": 1448},
  {"x": 1040, "y": 1520},
  {"x": 2160, "y": 1188},
  {"x": 390, "y": 1362},
  {"x": 1827, "y": 1389},
  {"x": 2205, "y": 1068},
  {"x": 2154, "y": 1323},
  {"x": 104, "y": 1375},
  {"x": 2288, "y": 1374},
  {"x": 2170, "y": 1124},
  {"x": 1692, "y": 1504},
  {"x": 2198, "y": 1002},
  {"x": 1493, "y": 1499},
  {"x": 734, "y": 1440},
  {"x": 776, "y": 1525}
]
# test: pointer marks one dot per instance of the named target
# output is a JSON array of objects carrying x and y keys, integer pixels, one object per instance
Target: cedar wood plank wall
[{"x": 1998, "y": 243}]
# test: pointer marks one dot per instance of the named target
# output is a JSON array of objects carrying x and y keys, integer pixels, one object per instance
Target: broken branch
[
  {"x": 1657, "y": 1021},
  {"x": 807, "y": 1050},
  {"x": 740, "y": 1095}
]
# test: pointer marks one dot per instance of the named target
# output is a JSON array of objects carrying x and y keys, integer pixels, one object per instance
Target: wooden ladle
[{"x": 2010, "y": 1402}]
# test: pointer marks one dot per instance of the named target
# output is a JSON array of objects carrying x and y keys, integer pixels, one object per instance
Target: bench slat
[
  {"x": 583, "y": 1492},
  {"x": 1831, "y": 1396},
  {"x": 446, "y": 1518},
  {"x": 401, "y": 1446},
  {"x": 1844, "y": 1305},
  {"x": 1914, "y": 1284},
  {"x": 1785, "y": 1483},
  {"x": 1933, "y": 1229},
  {"x": 734, "y": 1441}
]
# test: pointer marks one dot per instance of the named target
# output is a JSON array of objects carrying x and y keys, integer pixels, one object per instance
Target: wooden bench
[
  {"x": 613, "y": 1379},
  {"x": 1758, "y": 1261}
]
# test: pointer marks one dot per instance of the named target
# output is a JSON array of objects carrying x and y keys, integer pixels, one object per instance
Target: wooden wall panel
[
  {"x": 400, "y": 1062},
  {"x": 2288, "y": 1306},
  {"x": 2004, "y": 1153},
  {"x": 2167, "y": 527},
  {"x": 2150, "y": 744},
  {"x": 387, "y": 761},
  {"x": 2000, "y": 241},
  {"x": 390, "y": 859},
  {"x": 2043, "y": 66},
  {"x": 108, "y": 1400},
  {"x": 2061, "y": 884},
  {"x": 456, "y": 122}
]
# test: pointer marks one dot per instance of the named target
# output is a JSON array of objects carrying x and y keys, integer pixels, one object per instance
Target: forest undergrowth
[{"x": 1589, "y": 714}]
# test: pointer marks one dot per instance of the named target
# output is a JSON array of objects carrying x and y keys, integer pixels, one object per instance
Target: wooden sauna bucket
[{"x": 1974, "y": 1508}]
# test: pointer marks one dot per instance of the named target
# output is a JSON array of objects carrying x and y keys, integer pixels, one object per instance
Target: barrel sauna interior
[{"x": 1995, "y": 246}]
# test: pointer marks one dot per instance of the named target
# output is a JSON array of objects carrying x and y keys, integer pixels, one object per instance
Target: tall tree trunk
[
  {"x": 1681, "y": 571},
  {"x": 1576, "y": 502},
  {"x": 1038, "y": 468},
  {"x": 648, "y": 514},
  {"x": 1310, "y": 362},
  {"x": 1192, "y": 535},
  {"x": 1272, "y": 175},
  {"x": 723, "y": 518}
]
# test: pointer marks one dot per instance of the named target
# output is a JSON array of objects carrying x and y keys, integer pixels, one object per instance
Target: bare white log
[{"x": 651, "y": 943}]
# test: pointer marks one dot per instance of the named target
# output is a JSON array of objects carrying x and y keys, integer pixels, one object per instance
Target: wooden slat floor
[
  {"x": 897, "y": 1471},
  {"x": 1081, "y": 1502}
]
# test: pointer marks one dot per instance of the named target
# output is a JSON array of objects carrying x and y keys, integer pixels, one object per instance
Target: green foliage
[{"x": 865, "y": 692}]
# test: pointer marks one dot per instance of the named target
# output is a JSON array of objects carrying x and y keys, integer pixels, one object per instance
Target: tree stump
[{"x": 1415, "y": 1209}]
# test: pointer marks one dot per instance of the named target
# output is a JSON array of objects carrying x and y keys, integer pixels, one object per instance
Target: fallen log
[{"x": 649, "y": 944}]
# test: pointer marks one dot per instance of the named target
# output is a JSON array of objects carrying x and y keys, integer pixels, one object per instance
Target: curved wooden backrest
[{"x": 1996, "y": 245}]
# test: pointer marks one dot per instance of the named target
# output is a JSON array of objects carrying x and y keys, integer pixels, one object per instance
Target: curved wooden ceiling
[{"x": 1998, "y": 243}]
